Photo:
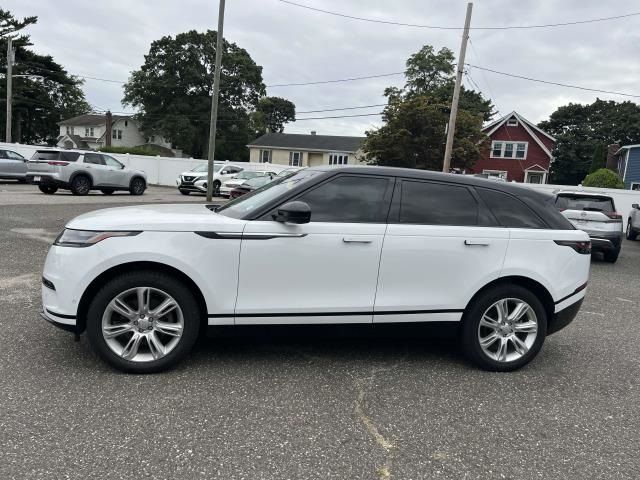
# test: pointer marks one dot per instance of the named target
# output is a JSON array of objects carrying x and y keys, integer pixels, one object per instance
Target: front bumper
[{"x": 67, "y": 323}]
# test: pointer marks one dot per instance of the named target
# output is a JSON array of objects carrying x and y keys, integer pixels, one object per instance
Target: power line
[
  {"x": 344, "y": 108},
  {"x": 437, "y": 27},
  {"x": 339, "y": 116},
  {"x": 577, "y": 87},
  {"x": 336, "y": 81}
]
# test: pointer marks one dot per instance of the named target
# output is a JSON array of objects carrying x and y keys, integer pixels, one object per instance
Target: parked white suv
[
  {"x": 596, "y": 214},
  {"x": 82, "y": 172},
  {"x": 195, "y": 180},
  {"x": 360, "y": 245},
  {"x": 633, "y": 222}
]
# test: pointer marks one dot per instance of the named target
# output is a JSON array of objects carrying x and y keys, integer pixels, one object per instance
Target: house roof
[
  {"x": 627, "y": 147},
  {"x": 530, "y": 127},
  {"x": 76, "y": 139},
  {"x": 91, "y": 119},
  {"x": 330, "y": 143}
]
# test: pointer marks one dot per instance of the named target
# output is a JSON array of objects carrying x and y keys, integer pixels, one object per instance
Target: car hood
[
  {"x": 193, "y": 174},
  {"x": 165, "y": 218}
]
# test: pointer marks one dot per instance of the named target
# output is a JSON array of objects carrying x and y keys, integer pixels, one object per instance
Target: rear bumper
[
  {"x": 601, "y": 241},
  {"x": 46, "y": 180},
  {"x": 564, "y": 317}
]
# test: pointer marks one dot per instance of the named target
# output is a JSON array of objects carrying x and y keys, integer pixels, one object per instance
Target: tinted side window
[
  {"x": 349, "y": 199},
  {"x": 509, "y": 211},
  {"x": 437, "y": 204},
  {"x": 69, "y": 156},
  {"x": 93, "y": 158},
  {"x": 111, "y": 162}
]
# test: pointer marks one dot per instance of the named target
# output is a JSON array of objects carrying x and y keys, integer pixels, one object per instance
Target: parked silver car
[
  {"x": 82, "y": 172},
  {"x": 12, "y": 165},
  {"x": 595, "y": 214}
]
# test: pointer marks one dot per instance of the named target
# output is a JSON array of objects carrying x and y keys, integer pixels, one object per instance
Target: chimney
[
  {"x": 313, "y": 132},
  {"x": 107, "y": 133},
  {"x": 612, "y": 160}
]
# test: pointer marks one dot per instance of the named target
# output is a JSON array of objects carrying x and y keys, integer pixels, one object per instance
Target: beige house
[{"x": 297, "y": 150}]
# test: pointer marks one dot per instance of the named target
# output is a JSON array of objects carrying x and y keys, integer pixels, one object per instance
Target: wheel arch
[
  {"x": 86, "y": 174},
  {"x": 107, "y": 275},
  {"x": 530, "y": 284},
  {"x": 135, "y": 177}
]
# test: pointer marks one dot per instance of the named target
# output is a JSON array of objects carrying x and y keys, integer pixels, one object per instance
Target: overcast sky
[{"x": 109, "y": 39}]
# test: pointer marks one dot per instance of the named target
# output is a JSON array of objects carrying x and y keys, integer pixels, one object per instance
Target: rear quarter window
[{"x": 55, "y": 155}]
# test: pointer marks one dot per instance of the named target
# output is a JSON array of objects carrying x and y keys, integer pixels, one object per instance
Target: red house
[{"x": 518, "y": 151}]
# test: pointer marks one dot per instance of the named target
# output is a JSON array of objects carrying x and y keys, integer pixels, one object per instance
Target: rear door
[
  {"x": 16, "y": 164},
  {"x": 441, "y": 247},
  {"x": 324, "y": 271},
  {"x": 95, "y": 166}
]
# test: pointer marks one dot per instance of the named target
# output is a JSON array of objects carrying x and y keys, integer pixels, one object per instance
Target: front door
[
  {"x": 534, "y": 177},
  {"x": 325, "y": 271},
  {"x": 116, "y": 173},
  {"x": 438, "y": 251}
]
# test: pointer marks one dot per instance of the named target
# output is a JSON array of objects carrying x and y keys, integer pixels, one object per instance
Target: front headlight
[{"x": 86, "y": 238}]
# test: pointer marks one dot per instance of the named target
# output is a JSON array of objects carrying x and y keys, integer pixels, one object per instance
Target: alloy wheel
[
  {"x": 142, "y": 324},
  {"x": 508, "y": 330}
]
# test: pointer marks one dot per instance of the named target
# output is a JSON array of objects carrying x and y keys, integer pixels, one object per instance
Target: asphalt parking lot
[{"x": 323, "y": 403}]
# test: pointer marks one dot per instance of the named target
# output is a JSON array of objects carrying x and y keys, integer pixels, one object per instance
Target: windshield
[
  {"x": 205, "y": 167},
  {"x": 245, "y": 175},
  {"x": 584, "y": 202},
  {"x": 244, "y": 206}
]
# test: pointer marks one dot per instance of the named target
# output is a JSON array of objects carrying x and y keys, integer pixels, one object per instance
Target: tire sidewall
[
  {"x": 132, "y": 186},
  {"x": 173, "y": 287},
  {"x": 474, "y": 313},
  {"x": 216, "y": 188}
]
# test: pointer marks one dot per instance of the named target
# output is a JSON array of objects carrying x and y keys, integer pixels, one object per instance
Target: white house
[{"x": 88, "y": 132}]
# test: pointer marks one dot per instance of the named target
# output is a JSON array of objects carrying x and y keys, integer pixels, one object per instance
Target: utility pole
[
  {"x": 214, "y": 102},
  {"x": 10, "y": 60},
  {"x": 451, "y": 128}
]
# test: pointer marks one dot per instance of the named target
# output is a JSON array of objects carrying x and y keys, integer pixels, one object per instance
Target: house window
[
  {"x": 68, "y": 130},
  {"x": 126, "y": 123},
  {"x": 509, "y": 150},
  {"x": 88, "y": 132},
  {"x": 512, "y": 122},
  {"x": 338, "y": 159},
  {"x": 116, "y": 134},
  {"x": 635, "y": 186},
  {"x": 265, "y": 156},
  {"x": 73, "y": 130},
  {"x": 496, "y": 173},
  {"x": 295, "y": 159}
]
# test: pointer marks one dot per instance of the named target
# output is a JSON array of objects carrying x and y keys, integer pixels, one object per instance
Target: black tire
[
  {"x": 185, "y": 192},
  {"x": 48, "y": 189},
  {"x": 175, "y": 288},
  {"x": 474, "y": 314},
  {"x": 216, "y": 188},
  {"x": 137, "y": 186},
  {"x": 631, "y": 235},
  {"x": 611, "y": 256},
  {"x": 80, "y": 185},
  {"x": 107, "y": 191}
]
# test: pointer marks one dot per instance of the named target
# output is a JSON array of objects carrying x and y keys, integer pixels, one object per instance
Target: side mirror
[
  {"x": 293, "y": 212},
  {"x": 636, "y": 206}
]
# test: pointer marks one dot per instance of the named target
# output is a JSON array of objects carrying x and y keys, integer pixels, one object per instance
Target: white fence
[
  {"x": 159, "y": 170},
  {"x": 165, "y": 171}
]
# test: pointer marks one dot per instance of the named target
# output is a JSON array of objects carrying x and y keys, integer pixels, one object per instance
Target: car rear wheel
[
  {"x": 48, "y": 189},
  {"x": 143, "y": 322},
  {"x": 631, "y": 235},
  {"x": 80, "y": 185},
  {"x": 504, "y": 328},
  {"x": 107, "y": 191},
  {"x": 137, "y": 186}
]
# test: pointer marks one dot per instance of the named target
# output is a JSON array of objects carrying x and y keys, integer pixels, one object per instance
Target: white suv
[
  {"x": 360, "y": 245},
  {"x": 195, "y": 180},
  {"x": 633, "y": 222},
  {"x": 594, "y": 213}
]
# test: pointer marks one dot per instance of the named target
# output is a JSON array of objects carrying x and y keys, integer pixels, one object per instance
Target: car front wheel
[
  {"x": 137, "y": 186},
  {"x": 631, "y": 235},
  {"x": 143, "y": 322},
  {"x": 504, "y": 328}
]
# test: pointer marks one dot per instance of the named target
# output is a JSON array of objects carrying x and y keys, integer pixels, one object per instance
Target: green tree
[
  {"x": 9, "y": 24},
  {"x": 416, "y": 116},
  {"x": 603, "y": 178},
  {"x": 579, "y": 129},
  {"x": 599, "y": 158},
  {"x": 273, "y": 113},
  {"x": 43, "y": 92},
  {"x": 173, "y": 88}
]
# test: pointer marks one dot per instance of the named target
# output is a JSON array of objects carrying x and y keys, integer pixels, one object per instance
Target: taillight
[
  {"x": 613, "y": 215},
  {"x": 582, "y": 247},
  {"x": 60, "y": 164}
]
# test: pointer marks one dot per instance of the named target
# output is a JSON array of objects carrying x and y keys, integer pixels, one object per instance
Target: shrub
[
  {"x": 140, "y": 150},
  {"x": 603, "y": 178}
]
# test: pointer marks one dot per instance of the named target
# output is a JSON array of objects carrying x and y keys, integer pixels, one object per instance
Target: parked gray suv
[
  {"x": 12, "y": 165},
  {"x": 82, "y": 172}
]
